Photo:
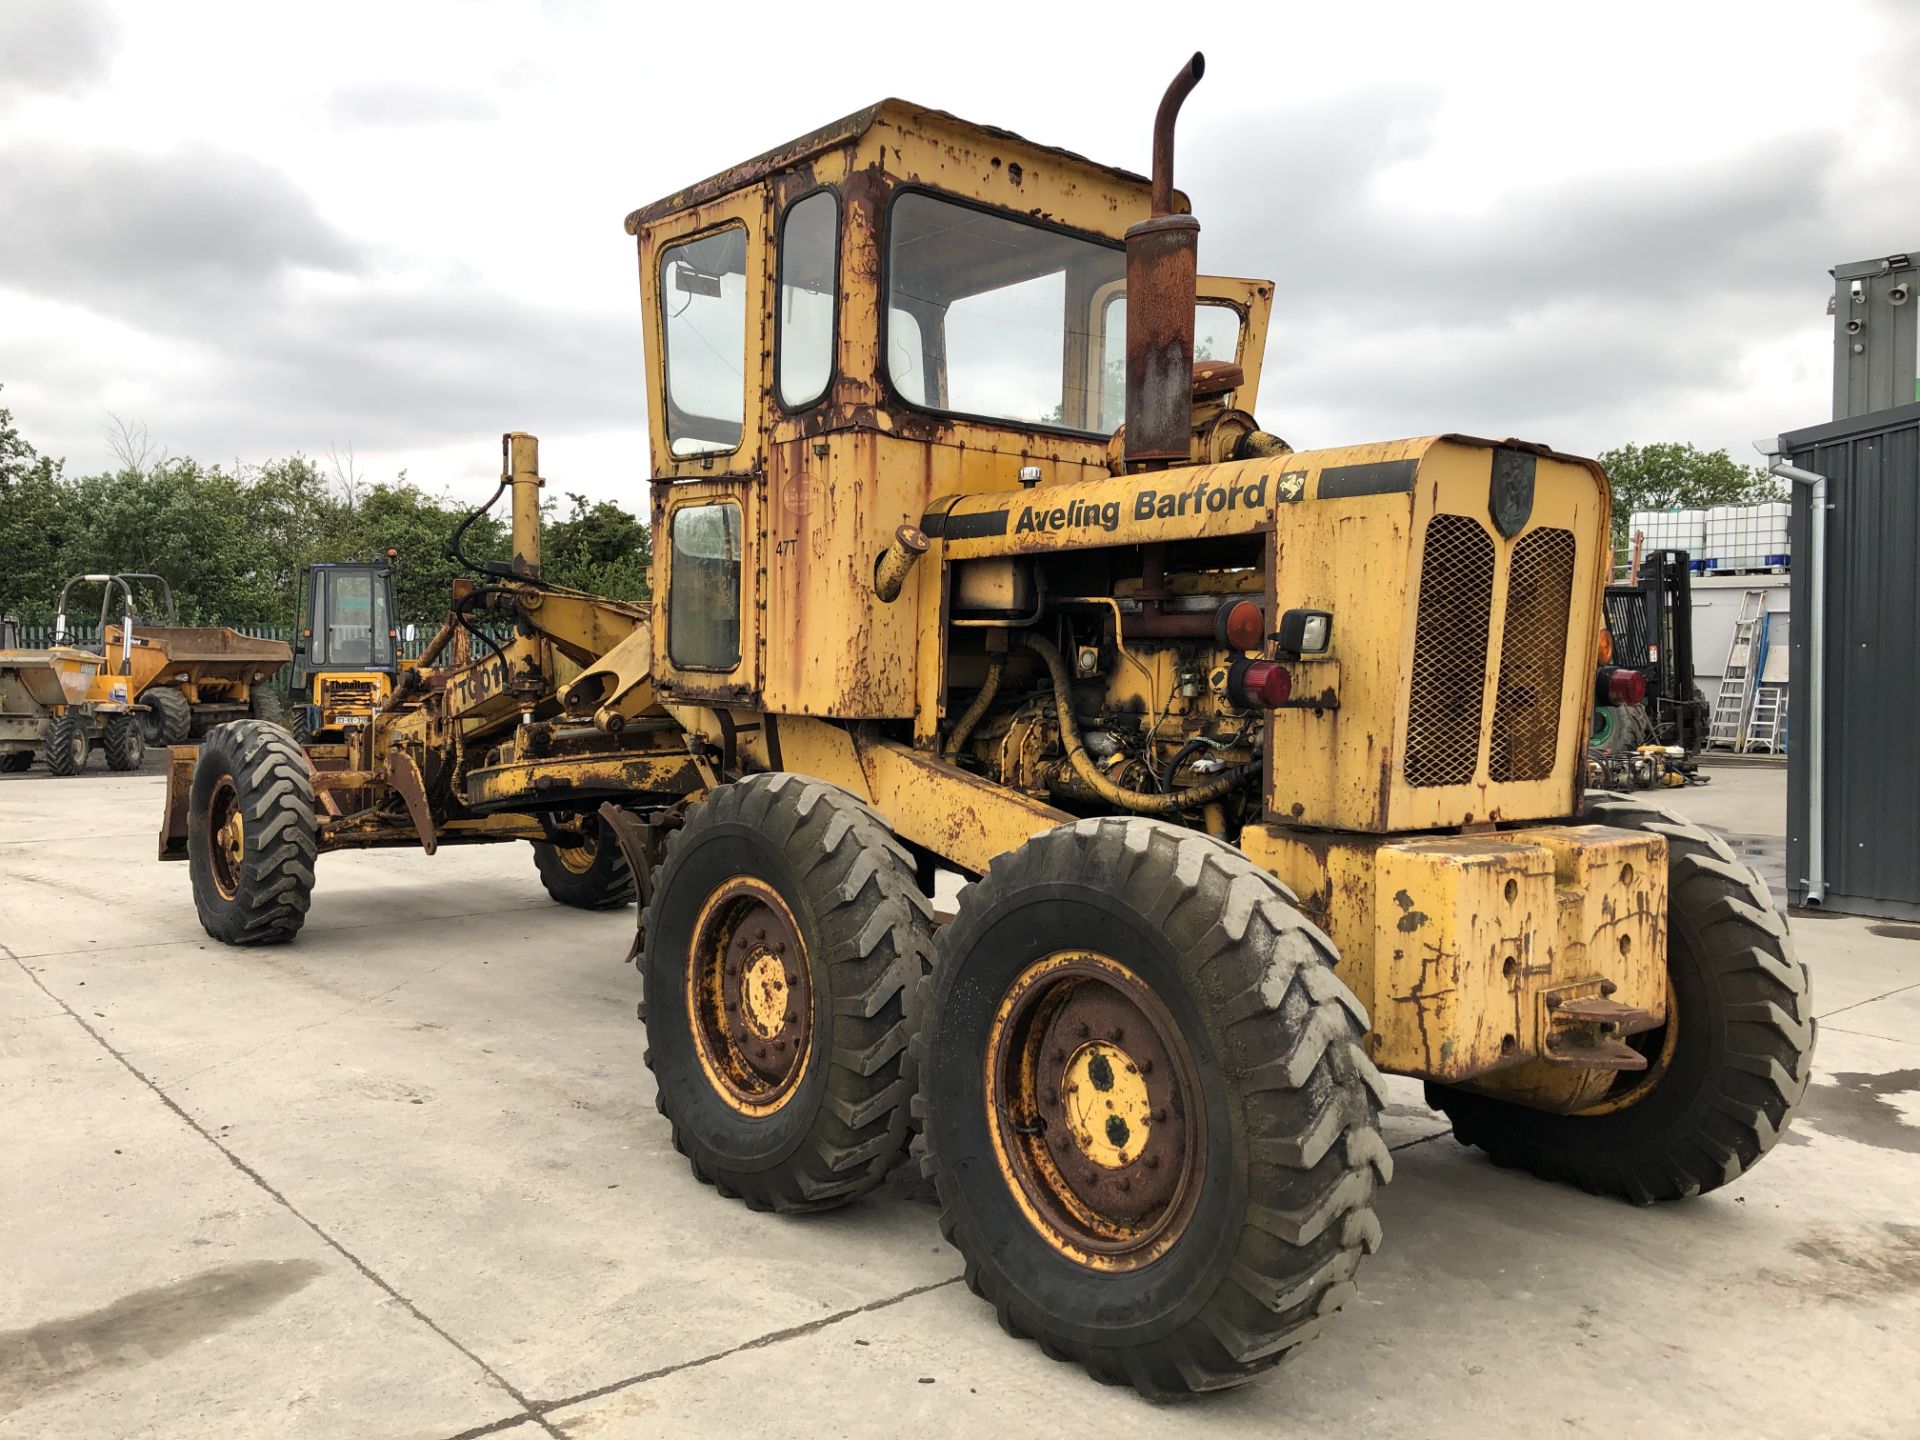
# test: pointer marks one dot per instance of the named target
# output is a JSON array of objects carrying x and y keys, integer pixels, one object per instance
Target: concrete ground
[{"x": 404, "y": 1178}]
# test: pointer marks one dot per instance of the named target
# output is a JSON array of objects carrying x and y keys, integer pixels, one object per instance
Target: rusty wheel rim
[
  {"x": 579, "y": 859},
  {"x": 1095, "y": 1109},
  {"x": 750, "y": 996},
  {"x": 227, "y": 837}
]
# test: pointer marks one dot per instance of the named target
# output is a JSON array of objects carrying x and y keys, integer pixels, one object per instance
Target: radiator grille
[
  {"x": 1533, "y": 657},
  {"x": 1449, "y": 652}
]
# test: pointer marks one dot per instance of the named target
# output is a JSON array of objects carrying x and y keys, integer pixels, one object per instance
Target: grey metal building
[{"x": 1853, "y": 784}]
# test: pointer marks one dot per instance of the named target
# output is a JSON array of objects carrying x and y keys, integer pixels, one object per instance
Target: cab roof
[{"x": 850, "y": 129}]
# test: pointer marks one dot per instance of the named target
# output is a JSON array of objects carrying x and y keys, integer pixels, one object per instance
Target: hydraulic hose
[
  {"x": 970, "y": 717},
  {"x": 1138, "y": 801}
]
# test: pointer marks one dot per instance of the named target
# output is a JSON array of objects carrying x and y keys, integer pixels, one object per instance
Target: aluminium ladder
[
  {"x": 1767, "y": 724},
  {"x": 1729, "y": 721}
]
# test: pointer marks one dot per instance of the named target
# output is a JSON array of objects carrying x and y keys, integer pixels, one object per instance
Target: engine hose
[
  {"x": 970, "y": 717},
  {"x": 1138, "y": 801}
]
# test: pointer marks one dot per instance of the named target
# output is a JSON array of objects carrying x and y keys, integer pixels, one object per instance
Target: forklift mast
[{"x": 1651, "y": 622}]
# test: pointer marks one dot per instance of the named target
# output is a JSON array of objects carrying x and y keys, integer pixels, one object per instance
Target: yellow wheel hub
[
  {"x": 763, "y": 994},
  {"x": 1108, "y": 1110}
]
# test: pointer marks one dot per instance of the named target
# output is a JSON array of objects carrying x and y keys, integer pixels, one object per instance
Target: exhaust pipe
[{"x": 1163, "y": 266}]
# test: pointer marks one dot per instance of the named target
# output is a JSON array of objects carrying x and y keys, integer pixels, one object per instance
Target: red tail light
[
  {"x": 1260, "y": 682},
  {"x": 1626, "y": 687}
]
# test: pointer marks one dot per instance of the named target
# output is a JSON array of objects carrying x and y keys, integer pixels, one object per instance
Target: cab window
[
  {"x": 703, "y": 603},
  {"x": 808, "y": 292},
  {"x": 988, "y": 315},
  {"x": 703, "y": 324},
  {"x": 1216, "y": 336},
  {"x": 354, "y": 620}
]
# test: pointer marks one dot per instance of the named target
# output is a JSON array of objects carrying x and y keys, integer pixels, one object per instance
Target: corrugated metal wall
[{"x": 1872, "y": 765}]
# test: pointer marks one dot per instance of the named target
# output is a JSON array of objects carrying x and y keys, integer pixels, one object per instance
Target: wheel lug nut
[
  {"x": 1118, "y": 1035},
  {"x": 792, "y": 979},
  {"x": 1153, "y": 1162}
]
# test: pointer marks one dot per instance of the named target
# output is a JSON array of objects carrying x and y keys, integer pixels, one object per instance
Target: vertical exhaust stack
[{"x": 1163, "y": 266}]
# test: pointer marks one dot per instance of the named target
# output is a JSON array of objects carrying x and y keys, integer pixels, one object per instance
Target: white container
[
  {"x": 1670, "y": 530},
  {"x": 1747, "y": 537}
]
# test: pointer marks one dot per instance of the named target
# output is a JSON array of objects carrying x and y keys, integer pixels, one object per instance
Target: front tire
[
  {"x": 169, "y": 718},
  {"x": 14, "y": 761},
  {"x": 65, "y": 745},
  {"x": 784, "y": 944},
  {"x": 593, "y": 876},
  {"x": 126, "y": 747},
  {"x": 251, "y": 838},
  {"x": 1165, "y": 1167},
  {"x": 1726, "y": 1071}
]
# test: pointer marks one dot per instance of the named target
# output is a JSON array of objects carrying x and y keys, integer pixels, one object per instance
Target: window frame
[
  {"x": 747, "y": 385},
  {"x": 779, "y": 285},
  {"x": 1103, "y": 302},
  {"x": 740, "y": 585},
  {"x": 885, "y": 366}
]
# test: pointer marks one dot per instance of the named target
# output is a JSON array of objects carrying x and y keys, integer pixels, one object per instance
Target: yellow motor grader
[{"x": 1262, "y": 767}]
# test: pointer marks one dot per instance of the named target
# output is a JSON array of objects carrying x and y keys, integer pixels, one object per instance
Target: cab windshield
[{"x": 990, "y": 316}]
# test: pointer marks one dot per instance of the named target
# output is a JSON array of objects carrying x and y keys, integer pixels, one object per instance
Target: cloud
[
  {"x": 185, "y": 239},
  {"x": 397, "y": 103},
  {"x": 1547, "y": 305},
  {"x": 53, "y": 47}
]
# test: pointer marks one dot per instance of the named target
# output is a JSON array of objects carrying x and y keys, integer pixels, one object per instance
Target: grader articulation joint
[{"x": 1262, "y": 767}]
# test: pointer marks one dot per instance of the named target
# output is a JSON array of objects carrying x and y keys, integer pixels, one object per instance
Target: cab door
[{"x": 704, "y": 286}]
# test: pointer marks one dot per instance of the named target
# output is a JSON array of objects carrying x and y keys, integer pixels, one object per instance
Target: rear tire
[
  {"x": 169, "y": 718},
  {"x": 65, "y": 745},
  {"x": 264, "y": 706},
  {"x": 594, "y": 876},
  {"x": 251, "y": 838},
  {"x": 807, "y": 1106},
  {"x": 126, "y": 747},
  {"x": 1268, "y": 1113},
  {"x": 1708, "y": 1108},
  {"x": 299, "y": 726},
  {"x": 14, "y": 761}
]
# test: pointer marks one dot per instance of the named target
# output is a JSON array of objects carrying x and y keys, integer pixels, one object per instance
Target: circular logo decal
[{"x": 802, "y": 493}]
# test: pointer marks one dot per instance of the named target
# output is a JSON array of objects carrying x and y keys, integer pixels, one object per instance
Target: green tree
[
  {"x": 398, "y": 516},
  {"x": 1678, "y": 476},
  {"x": 33, "y": 523},
  {"x": 598, "y": 548}
]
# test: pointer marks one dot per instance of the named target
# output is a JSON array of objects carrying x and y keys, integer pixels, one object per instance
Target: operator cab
[
  {"x": 346, "y": 654},
  {"x": 896, "y": 307}
]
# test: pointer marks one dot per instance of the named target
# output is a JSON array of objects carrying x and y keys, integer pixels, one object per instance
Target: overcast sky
[{"x": 259, "y": 228}]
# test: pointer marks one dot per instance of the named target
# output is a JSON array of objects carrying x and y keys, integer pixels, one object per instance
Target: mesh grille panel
[
  {"x": 1449, "y": 652},
  {"x": 1533, "y": 657},
  {"x": 1627, "y": 623}
]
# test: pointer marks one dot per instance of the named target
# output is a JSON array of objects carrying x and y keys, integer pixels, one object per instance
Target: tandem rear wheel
[
  {"x": 784, "y": 945},
  {"x": 1148, "y": 1115}
]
